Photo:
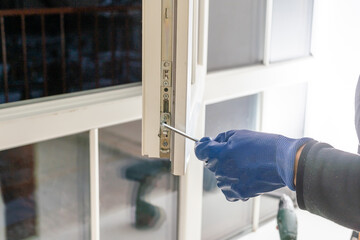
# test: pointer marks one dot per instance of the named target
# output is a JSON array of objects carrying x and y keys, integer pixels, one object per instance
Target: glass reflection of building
[{"x": 52, "y": 47}]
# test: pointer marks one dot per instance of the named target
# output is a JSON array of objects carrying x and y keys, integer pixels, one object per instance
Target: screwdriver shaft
[{"x": 179, "y": 132}]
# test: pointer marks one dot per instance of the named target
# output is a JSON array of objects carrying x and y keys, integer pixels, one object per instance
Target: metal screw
[
  {"x": 165, "y": 143},
  {"x": 166, "y": 64},
  {"x": 166, "y": 83},
  {"x": 166, "y": 96}
]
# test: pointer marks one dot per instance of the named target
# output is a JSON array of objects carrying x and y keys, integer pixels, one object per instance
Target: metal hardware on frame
[{"x": 167, "y": 80}]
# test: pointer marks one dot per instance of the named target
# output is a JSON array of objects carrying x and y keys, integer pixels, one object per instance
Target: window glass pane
[
  {"x": 55, "y": 47},
  {"x": 236, "y": 33},
  {"x": 138, "y": 196},
  {"x": 284, "y": 110},
  {"x": 221, "y": 218},
  {"x": 291, "y": 29},
  {"x": 283, "y": 113},
  {"x": 45, "y": 190}
]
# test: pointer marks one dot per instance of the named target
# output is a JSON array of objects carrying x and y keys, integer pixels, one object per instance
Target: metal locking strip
[{"x": 167, "y": 63}]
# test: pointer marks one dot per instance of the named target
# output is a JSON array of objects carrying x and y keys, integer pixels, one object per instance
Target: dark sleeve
[{"x": 328, "y": 184}]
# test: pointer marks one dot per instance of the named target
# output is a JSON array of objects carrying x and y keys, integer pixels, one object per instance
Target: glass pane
[
  {"x": 221, "y": 218},
  {"x": 236, "y": 33},
  {"x": 291, "y": 29},
  {"x": 284, "y": 110},
  {"x": 45, "y": 190},
  {"x": 138, "y": 196},
  {"x": 55, "y": 47},
  {"x": 278, "y": 105}
]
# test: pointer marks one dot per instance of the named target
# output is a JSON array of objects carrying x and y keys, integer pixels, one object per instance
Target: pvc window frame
[
  {"x": 85, "y": 112},
  {"x": 240, "y": 82},
  {"x": 34, "y": 121}
]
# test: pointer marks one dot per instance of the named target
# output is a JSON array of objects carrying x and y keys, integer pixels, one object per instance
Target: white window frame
[
  {"x": 75, "y": 113},
  {"x": 181, "y": 89},
  {"x": 55, "y": 117},
  {"x": 231, "y": 84}
]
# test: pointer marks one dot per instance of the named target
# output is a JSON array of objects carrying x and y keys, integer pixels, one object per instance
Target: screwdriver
[{"x": 179, "y": 132}]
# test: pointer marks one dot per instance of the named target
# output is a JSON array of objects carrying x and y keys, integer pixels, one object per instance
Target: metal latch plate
[{"x": 167, "y": 62}]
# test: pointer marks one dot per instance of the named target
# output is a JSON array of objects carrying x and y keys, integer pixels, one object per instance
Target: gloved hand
[{"x": 248, "y": 163}]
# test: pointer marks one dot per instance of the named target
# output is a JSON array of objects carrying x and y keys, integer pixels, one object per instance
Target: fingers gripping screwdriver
[{"x": 179, "y": 132}]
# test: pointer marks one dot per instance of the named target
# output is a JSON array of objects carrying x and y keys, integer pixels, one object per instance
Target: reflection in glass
[
  {"x": 291, "y": 29},
  {"x": 276, "y": 119},
  {"x": 138, "y": 195},
  {"x": 223, "y": 219},
  {"x": 45, "y": 190},
  {"x": 236, "y": 33},
  {"x": 53, "y": 47}
]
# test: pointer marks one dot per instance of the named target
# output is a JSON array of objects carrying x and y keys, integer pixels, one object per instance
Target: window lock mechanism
[{"x": 167, "y": 80}]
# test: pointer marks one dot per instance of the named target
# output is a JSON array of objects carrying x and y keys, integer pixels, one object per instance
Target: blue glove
[{"x": 248, "y": 163}]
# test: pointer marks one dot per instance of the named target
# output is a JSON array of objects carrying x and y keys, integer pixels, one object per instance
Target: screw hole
[{"x": 166, "y": 89}]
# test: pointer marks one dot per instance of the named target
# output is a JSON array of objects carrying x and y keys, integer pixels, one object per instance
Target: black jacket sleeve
[{"x": 328, "y": 184}]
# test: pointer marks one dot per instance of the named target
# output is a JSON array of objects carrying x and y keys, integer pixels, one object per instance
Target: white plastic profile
[
  {"x": 94, "y": 184},
  {"x": 152, "y": 12},
  {"x": 151, "y": 55}
]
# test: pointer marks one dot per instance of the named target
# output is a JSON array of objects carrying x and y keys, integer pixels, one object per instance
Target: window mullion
[
  {"x": 266, "y": 62},
  {"x": 267, "y": 38},
  {"x": 94, "y": 185},
  {"x": 257, "y": 200}
]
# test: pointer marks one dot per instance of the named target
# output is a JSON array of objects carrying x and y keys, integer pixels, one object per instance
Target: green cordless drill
[
  {"x": 286, "y": 219},
  {"x": 146, "y": 174}
]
